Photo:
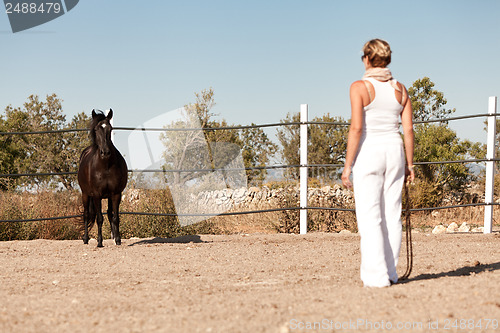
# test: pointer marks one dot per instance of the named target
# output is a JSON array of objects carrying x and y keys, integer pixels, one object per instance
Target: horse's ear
[
  {"x": 93, "y": 113},
  {"x": 110, "y": 114}
]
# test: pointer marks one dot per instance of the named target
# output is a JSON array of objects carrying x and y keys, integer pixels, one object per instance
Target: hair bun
[{"x": 378, "y": 52}]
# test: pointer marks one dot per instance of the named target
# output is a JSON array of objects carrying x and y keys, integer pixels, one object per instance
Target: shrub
[
  {"x": 10, "y": 210},
  {"x": 424, "y": 194},
  {"x": 24, "y": 206}
]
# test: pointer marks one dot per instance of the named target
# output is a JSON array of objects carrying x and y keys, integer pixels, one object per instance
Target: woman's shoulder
[
  {"x": 401, "y": 86},
  {"x": 357, "y": 85},
  {"x": 362, "y": 86}
]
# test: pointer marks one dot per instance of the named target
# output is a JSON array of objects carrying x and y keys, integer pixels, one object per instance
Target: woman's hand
[
  {"x": 410, "y": 173},
  {"x": 345, "y": 177}
]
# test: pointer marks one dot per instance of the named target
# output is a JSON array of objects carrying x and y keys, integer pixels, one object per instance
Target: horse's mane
[{"x": 93, "y": 123}]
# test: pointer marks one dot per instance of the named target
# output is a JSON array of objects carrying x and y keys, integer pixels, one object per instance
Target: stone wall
[
  {"x": 264, "y": 197},
  {"x": 255, "y": 197}
]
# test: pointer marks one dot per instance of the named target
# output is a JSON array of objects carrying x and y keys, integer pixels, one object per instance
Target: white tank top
[{"x": 381, "y": 116}]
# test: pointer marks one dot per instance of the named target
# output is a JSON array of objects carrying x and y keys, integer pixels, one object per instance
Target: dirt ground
[{"x": 246, "y": 283}]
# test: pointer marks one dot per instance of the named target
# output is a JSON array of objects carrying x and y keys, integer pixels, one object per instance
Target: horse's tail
[{"x": 92, "y": 214}]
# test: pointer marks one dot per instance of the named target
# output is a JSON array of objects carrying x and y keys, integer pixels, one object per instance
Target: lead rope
[{"x": 409, "y": 243}]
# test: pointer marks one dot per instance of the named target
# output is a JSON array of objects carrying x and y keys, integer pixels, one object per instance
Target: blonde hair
[{"x": 378, "y": 52}]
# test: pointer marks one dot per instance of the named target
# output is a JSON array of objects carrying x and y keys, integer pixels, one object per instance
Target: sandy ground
[{"x": 246, "y": 283}]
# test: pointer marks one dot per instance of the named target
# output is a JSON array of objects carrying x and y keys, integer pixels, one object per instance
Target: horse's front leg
[
  {"x": 110, "y": 216},
  {"x": 86, "y": 217},
  {"x": 100, "y": 218},
  {"x": 114, "y": 220}
]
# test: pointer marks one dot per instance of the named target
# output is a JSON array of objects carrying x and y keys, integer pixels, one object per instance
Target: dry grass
[
  {"x": 14, "y": 206},
  {"x": 474, "y": 216}
]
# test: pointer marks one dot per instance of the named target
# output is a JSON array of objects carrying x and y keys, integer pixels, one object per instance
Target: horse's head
[{"x": 101, "y": 132}]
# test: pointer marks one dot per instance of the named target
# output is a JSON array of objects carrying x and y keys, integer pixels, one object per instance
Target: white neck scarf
[{"x": 381, "y": 74}]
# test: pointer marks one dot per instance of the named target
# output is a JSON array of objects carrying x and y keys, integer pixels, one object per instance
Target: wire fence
[
  {"x": 241, "y": 127},
  {"x": 50, "y": 174}
]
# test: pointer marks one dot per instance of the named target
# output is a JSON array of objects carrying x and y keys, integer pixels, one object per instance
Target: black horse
[{"x": 102, "y": 174}]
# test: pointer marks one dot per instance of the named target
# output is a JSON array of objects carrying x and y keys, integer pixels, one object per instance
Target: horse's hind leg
[
  {"x": 98, "y": 212},
  {"x": 114, "y": 217}
]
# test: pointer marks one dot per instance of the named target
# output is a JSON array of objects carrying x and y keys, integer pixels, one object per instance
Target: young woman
[{"x": 376, "y": 156}]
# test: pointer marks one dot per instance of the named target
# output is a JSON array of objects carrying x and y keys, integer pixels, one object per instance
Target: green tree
[
  {"x": 73, "y": 143},
  {"x": 13, "y": 151},
  {"x": 214, "y": 132},
  {"x": 50, "y": 152},
  {"x": 327, "y": 144},
  {"x": 184, "y": 149},
  {"x": 289, "y": 139},
  {"x": 437, "y": 142},
  {"x": 427, "y": 102},
  {"x": 215, "y": 146},
  {"x": 44, "y": 150},
  {"x": 257, "y": 151},
  {"x": 203, "y": 105},
  {"x": 497, "y": 140}
]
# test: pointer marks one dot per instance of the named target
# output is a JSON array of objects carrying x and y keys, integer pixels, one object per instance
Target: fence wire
[
  {"x": 239, "y": 127},
  {"x": 269, "y": 167},
  {"x": 270, "y": 210}
]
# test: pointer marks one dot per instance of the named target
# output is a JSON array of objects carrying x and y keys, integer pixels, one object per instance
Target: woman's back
[{"x": 381, "y": 116}]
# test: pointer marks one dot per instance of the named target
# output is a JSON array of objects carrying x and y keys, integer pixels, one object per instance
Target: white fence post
[
  {"x": 490, "y": 166},
  {"x": 303, "y": 169}
]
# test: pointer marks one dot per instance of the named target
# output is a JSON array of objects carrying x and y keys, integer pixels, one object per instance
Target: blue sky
[{"x": 262, "y": 58}]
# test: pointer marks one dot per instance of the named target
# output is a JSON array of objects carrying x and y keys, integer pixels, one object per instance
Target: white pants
[{"x": 378, "y": 176}]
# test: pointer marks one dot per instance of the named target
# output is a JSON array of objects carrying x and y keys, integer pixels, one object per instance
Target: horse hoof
[
  {"x": 86, "y": 241},
  {"x": 118, "y": 241},
  {"x": 100, "y": 245}
]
